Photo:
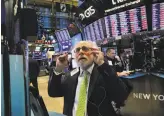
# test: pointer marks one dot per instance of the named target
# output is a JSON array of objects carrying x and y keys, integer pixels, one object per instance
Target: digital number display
[
  {"x": 158, "y": 16},
  {"x": 94, "y": 31},
  {"x": 130, "y": 21},
  {"x": 62, "y": 35}
]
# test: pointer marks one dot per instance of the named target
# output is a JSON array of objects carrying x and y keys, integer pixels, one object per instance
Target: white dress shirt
[{"x": 80, "y": 80}]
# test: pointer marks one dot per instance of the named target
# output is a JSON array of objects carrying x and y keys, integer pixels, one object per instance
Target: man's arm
[
  {"x": 56, "y": 84},
  {"x": 55, "y": 87},
  {"x": 115, "y": 87},
  {"x": 38, "y": 68},
  {"x": 122, "y": 74}
]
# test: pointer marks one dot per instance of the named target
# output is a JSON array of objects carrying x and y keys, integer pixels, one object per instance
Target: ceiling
[{"x": 49, "y": 2}]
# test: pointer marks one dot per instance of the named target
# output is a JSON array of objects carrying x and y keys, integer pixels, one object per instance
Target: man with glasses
[{"x": 89, "y": 89}]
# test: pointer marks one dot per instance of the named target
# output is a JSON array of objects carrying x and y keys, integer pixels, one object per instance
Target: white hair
[{"x": 93, "y": 44}]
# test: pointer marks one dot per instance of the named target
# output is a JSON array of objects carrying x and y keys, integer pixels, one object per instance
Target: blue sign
[{"x": 65, "y": 45}]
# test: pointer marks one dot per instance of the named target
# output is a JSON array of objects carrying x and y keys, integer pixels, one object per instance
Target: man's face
[
  {"x": 111, "y": 54},
  {"x": 84, "y": 55}
]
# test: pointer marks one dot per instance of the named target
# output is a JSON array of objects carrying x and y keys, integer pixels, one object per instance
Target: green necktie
[{"x": 82, "y": 97}]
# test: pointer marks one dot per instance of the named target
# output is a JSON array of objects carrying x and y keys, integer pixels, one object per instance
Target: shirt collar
[{"x": 88, "y": 70}]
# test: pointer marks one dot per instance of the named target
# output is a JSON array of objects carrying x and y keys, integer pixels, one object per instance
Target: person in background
[
  {"x": 34, "y": 70},
  {"x": 115, "y": 61},
  {"x": 90, "y": 89},
  {"x": 118, "y": 64}
]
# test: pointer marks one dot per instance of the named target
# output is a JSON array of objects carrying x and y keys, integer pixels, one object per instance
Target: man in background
[
  {"x": 34, "y": 70},
  {"x": 119, "y": 64},
  {"x": 113, "y": 60}
]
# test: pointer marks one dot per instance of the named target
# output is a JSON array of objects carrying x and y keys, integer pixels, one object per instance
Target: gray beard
[{"x": 85, "y": 67}]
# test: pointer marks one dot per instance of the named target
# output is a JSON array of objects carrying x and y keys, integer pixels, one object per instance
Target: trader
[
  {"x": 119, "y": 64},
  {"x": 34, "y": 70},
  {"x": 89, "y": 89},
  {"x": 114, "y": 60}
]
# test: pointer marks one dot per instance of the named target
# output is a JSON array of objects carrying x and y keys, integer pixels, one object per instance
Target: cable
[{"x": 97, "y": 106}]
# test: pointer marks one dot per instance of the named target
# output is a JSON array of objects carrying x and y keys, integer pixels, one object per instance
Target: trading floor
[{"x": 52, "y": 104}]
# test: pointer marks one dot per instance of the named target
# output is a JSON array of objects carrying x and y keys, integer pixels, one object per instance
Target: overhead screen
[
  {"x": 62, "y": 35},
  {"x": 64, "y": 40},
  {"x": 130, "y": 21},
  {"x": 158, "y": 16},
  {"x": 94, "y": 31}
]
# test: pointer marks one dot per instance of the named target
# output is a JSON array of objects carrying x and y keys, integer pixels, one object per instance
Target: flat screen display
[
  {"x": 75, "y": 39},
  {"x": 62, "y": 35},
  {"x": 65, "y": 46},
  {"x": 94, "y": 31},
  {"x": 130, "y": 21},
  {"x": 158, "y": 16}
]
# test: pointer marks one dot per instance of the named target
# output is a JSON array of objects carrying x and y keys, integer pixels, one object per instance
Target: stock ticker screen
[
  {"x": 94, "y": 31},
  {"x": 64, "y": 40},
  {"x": 62, "y": 35},
  {"x": 130, "y": 21},
  {"x": 158, "y": 16}
]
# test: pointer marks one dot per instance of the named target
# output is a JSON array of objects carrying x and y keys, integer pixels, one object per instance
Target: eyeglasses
[{"x": 84, "y": 48}]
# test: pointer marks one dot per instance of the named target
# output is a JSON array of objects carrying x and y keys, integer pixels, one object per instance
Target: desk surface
[
  {"x": 139, "y": 74},
  {"x": 158, "y": 74}
]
